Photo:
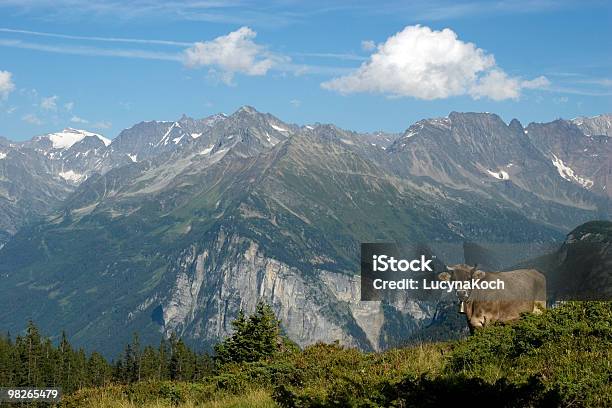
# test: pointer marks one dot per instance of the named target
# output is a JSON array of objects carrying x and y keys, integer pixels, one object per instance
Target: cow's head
[{"x": 462, "y": 272}]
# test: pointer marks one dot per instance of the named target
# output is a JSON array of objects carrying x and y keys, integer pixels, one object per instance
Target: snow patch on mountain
[
  {"x": 500, "y": 174},
  {"x": 568, "y": 173},
  {"x": 68, "y": 137},
  {"x": 2, "y": 155},
  {"x": 278, "y": 128},
  {"x": 71, "y": 176},
  {"x": 207, "y": 150},
  {"x": 164, "y": 138},
  {"x": 440, "y": 122}
]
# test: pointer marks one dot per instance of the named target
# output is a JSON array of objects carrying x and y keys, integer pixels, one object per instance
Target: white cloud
[
  {"x": 331, "y": 55},
  {"x": 92, "y": 51},
  {"x": 90, "y": 38},
  {"x": 76, "y": 119},
  {"x": 233, "y": 53},
  {"x": 6, "y": 84},
  {"x": 225, "y": 56},
  {"x": 211, "y": 11},
  {"x": 536, "y": 83},
  {"x": 600, "y": 81},
  {"x": 296, "y": 103},
  {"x": 368, "y": 45},
  {"x": 49, "y": 103},
  {"x": 102, "y": 125},
  {"x": 497, "y": 85},
  {"x": 69, "y": 106},
  {"x": 32, "y": 119},
  {"x": 426, "y": 64}
]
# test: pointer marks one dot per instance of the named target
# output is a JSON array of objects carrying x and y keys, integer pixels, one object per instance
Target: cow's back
[
  {"x": 524, "y": 291},
  {"x": 519, "y": 285}
]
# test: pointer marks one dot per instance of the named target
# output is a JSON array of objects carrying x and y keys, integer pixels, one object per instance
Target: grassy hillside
[{"x": 560, "y": 358}]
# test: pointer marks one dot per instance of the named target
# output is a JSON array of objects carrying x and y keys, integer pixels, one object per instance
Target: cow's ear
[
  {"x": 444, "y": 276},
  {"x": 478, "y": 274}
]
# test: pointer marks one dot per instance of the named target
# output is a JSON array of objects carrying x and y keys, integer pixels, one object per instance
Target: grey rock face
[
  {"x": 579, "y": 156},
  {"x": 481, "y": 154},
  {"x": 595, "y": 125},
  {"x": 208, "y": 293}
]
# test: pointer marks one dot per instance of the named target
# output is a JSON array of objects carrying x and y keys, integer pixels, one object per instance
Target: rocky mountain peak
[
  {"x": 475, "y": 117},
  {"x": 246, "y": 110},
  {"x": 516, "y": 126},
  {"x": 477, "y": 123},
  {"x": 213, "y": 119},
  {"x": 595, "y": 125}
]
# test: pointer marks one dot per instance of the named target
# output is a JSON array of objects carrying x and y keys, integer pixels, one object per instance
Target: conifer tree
[
  {"x": 149, "y": 364},
  {"x": 64, "y": 376},
  {"x": 99, "y": 370},
  {"x": 255, "y": 338},
  {"x": 34, "y": 361},
  {"x": 32, "y": 355},
  {"x": 163, "y": 360}
]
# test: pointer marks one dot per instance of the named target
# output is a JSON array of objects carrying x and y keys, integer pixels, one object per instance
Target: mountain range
[{"x": 175, "y": 226}]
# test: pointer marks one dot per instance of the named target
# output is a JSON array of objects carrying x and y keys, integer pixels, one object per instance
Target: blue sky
[{"x": 366, "y": 66}]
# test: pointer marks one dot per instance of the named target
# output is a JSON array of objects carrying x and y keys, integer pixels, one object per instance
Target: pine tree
[
  {"x": 182, "y": 360},
  {"x": 204, "y": 366},
  {"x": 163, "y": 362},
  {"x": 137, "y": 361},
  {"x": 255, "y": 338},
  {"x": 128, "y": 374},
  {"x": 32, "y": 355},
  {"x": 149, "y": 364},
  {"x": 100, "y": 372},
  {"x": 8, "y": 359},
  {"x": 174, "y": 363},
  {"x": 80, "y": 369},
  {"x": 119, "y": 371},
  {"x": 48, "y": 364}
]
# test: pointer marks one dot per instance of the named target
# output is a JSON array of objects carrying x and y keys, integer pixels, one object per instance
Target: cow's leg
[
  {"x": 477, "y": 316},
  {"x": 477, "y": 322}
]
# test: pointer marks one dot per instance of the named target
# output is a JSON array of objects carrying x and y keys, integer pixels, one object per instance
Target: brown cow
[{"x": 524, "y": 291}]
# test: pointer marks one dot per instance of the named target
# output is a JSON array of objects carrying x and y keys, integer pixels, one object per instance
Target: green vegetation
[
  {"x": 31, "y": 361},
  {"x": 255, "y": 338},
  {"x": 562, "y": 357}
]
